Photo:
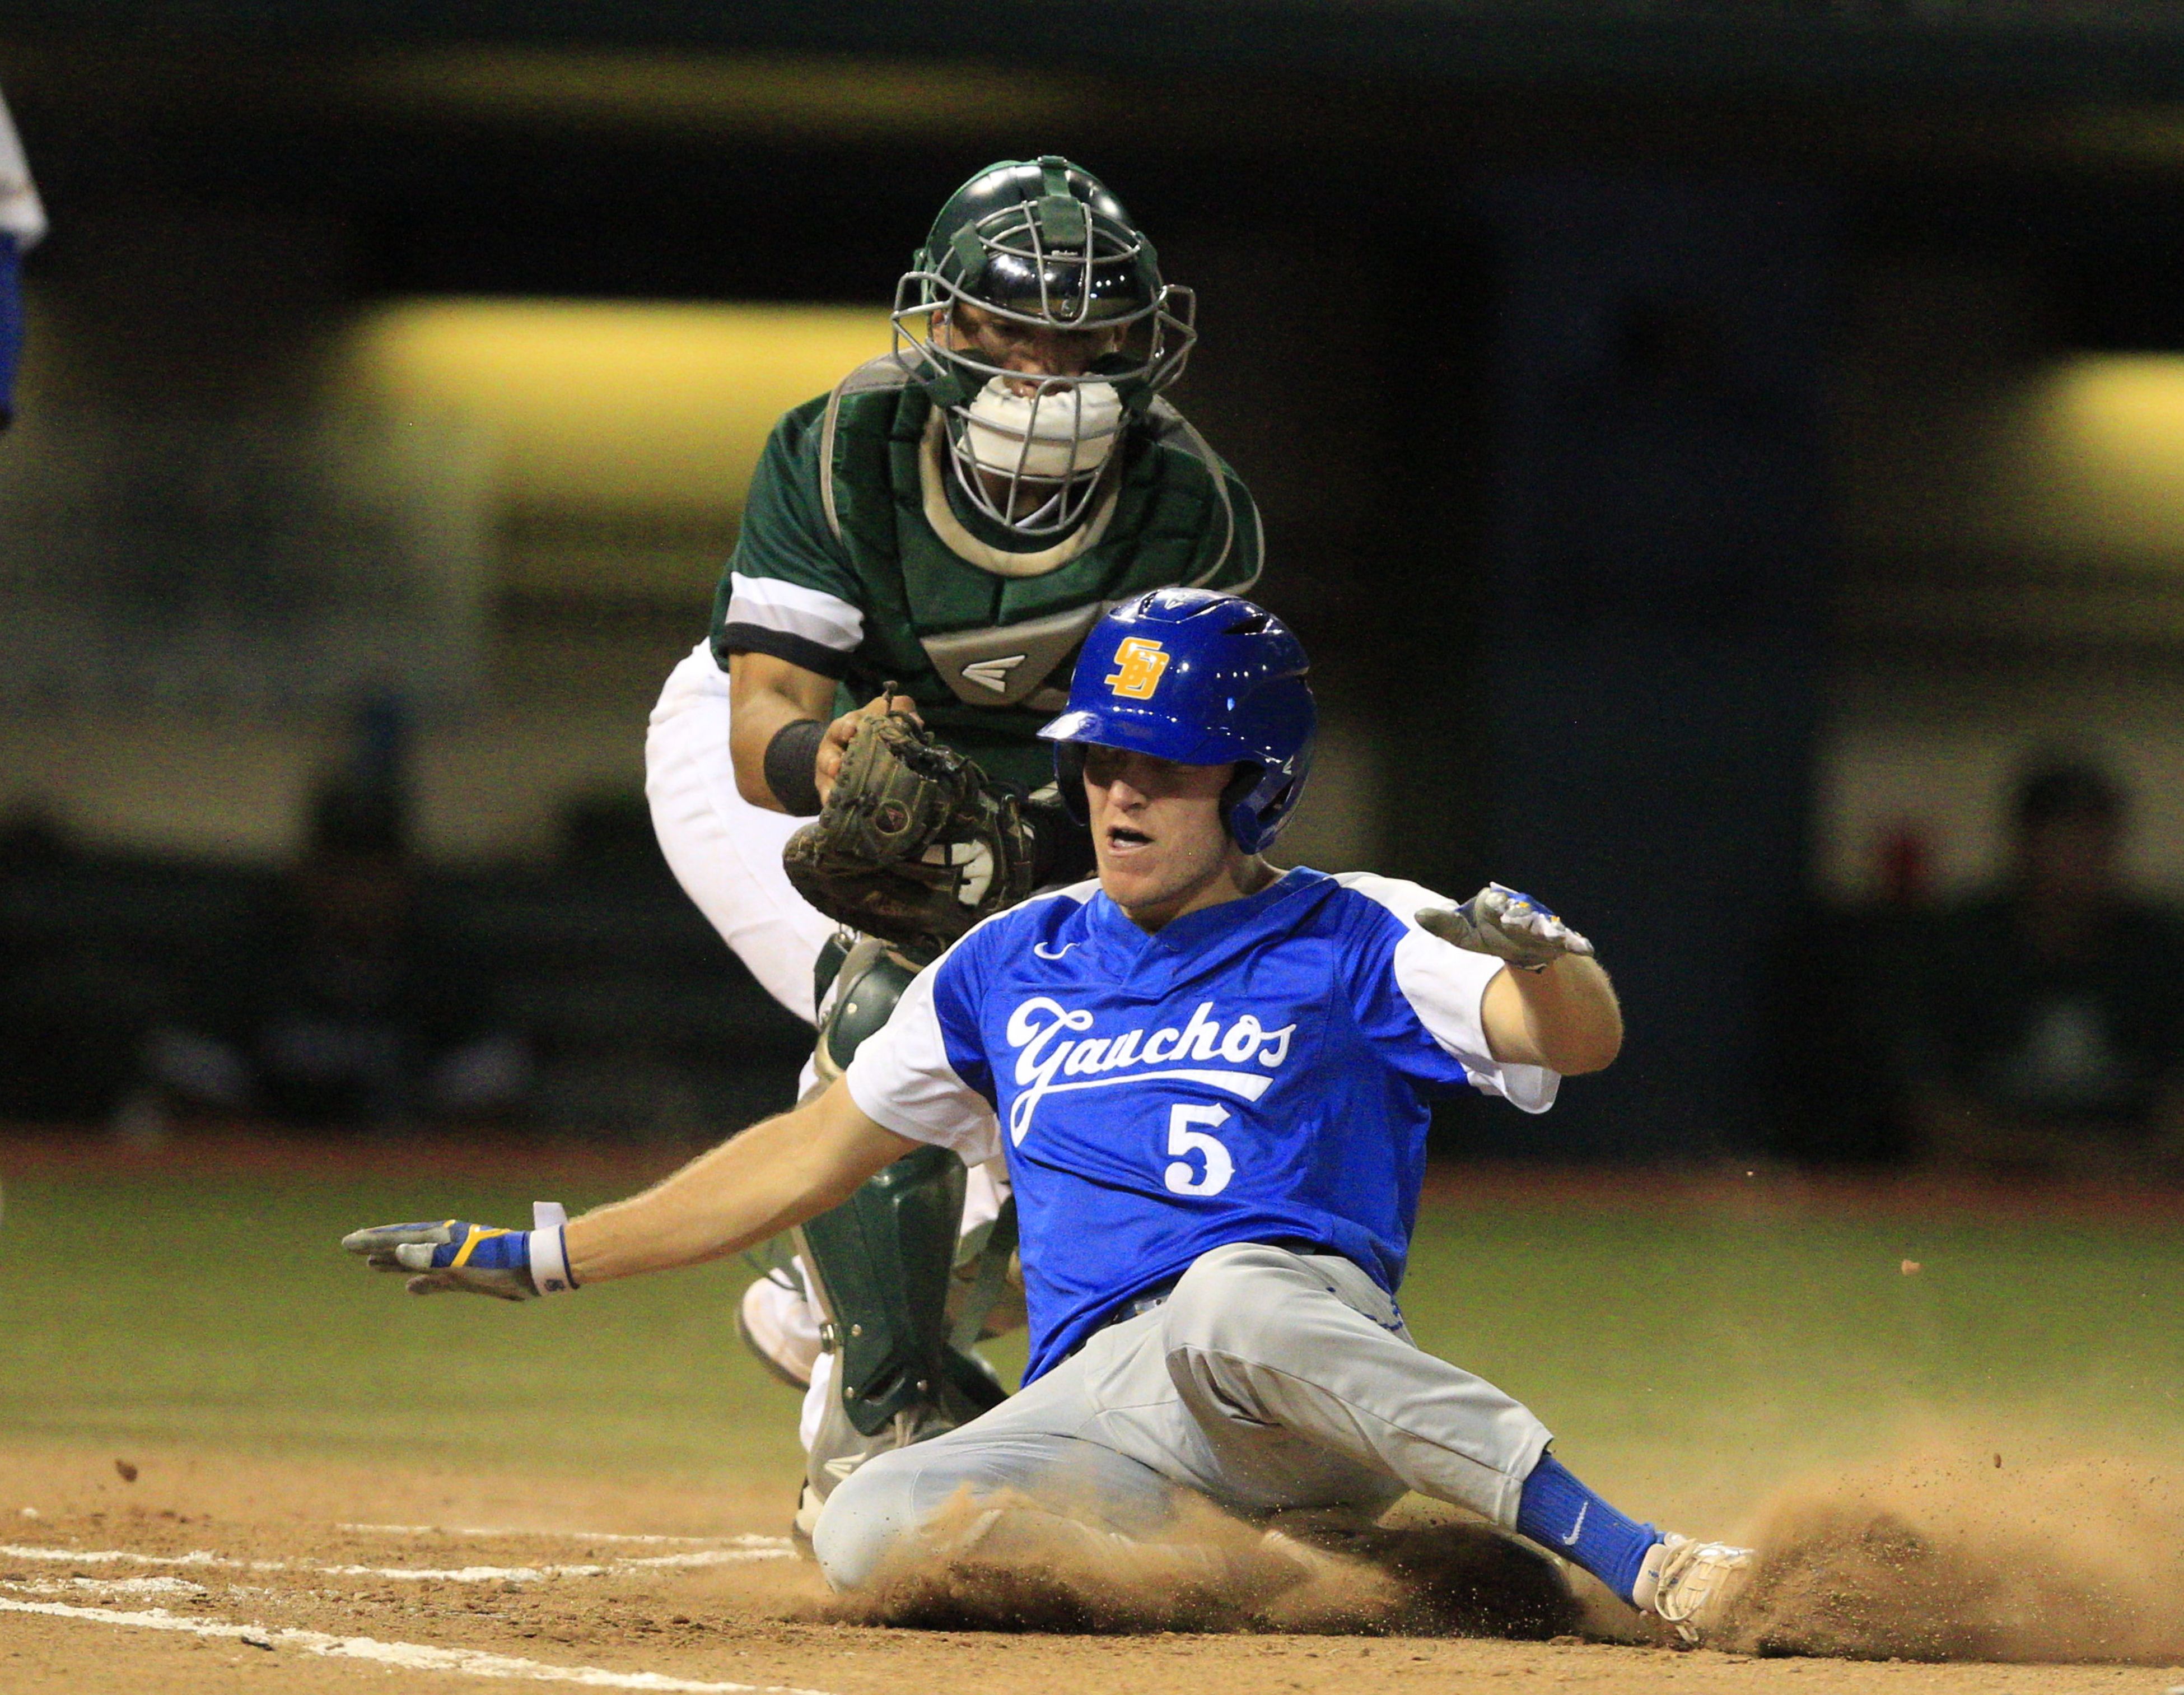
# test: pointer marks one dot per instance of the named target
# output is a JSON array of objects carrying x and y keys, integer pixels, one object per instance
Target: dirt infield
[
  {"x": 210, "y": 1573},
  {"x": 334, "y": 1483}
]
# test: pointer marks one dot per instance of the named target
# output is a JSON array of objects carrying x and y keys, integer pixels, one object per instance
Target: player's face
[
  {"x": 1157, "y": 829},
  {"x": 1036, "y": 350}
]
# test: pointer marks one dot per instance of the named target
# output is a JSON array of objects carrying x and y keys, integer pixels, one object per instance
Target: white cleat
[
  {"x": 1691, "y": 1584},
  {"x": 778, "y": 1325},
  {"x": 805, "y": 1523}
]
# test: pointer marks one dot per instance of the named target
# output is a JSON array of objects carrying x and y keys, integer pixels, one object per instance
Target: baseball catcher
[
  {"x": 1209, "y": 1080},
  {"x": 923, "y": 551}
]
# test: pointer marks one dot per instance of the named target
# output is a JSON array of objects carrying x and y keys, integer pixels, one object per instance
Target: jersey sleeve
[
  {"x": 923, "y": 1074},
  {"x": 788, "y": 590},
  {"x": 1420, "y": 1000}
]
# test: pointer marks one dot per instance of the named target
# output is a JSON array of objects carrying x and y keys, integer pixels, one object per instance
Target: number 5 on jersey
[{"x": 1182, "y": 1177}]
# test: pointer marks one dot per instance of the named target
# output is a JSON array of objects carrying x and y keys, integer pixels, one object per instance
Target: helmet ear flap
[{"x": 1236, "y": 812}]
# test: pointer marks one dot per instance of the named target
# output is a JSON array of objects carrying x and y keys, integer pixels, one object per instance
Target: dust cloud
[
  {"x": 1004, "y": 1563},
  {"x": 1945, "y": 1554},
  {"x": 1939, "y": 1555}
]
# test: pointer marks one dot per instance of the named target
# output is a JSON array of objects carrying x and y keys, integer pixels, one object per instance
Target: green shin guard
[
  {"x": 881, "y": 1266},
  {"x": 883, "y": 1261}
]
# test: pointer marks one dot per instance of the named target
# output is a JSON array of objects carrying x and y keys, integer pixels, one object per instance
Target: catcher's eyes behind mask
[{"x": 1040, "y": 244}]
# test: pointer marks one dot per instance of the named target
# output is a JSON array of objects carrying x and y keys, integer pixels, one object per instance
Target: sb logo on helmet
[{"x": 1139, "y": 665}]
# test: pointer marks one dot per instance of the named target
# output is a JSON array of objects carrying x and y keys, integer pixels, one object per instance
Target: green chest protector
[{"x": 983, "y": 638}]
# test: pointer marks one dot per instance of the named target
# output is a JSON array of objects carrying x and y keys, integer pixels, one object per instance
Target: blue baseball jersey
[{"x": 1257, "y": 1070}]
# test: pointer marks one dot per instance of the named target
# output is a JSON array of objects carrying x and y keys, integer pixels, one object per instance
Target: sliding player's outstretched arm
[
  {"x": 1565, "y": 1019},
  {"x": 774, "y": 1175},
  {"x": 1554, "y": 1006},
  {"x": 754, "y": 1185}
]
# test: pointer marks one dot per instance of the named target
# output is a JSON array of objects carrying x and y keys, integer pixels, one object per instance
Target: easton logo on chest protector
[
  {"x": 1013, "y": 665},
  {"x": 1054, "y": 1057},
  {"x": 994, "y": 673},
  {"x": 1138, "y": 666}
]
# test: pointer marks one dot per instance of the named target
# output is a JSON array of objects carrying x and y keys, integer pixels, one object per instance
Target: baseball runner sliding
[{"x": 1207, "y": 1079}]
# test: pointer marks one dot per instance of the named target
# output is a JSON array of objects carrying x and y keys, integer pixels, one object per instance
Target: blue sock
[{"x": 1564, "y": 1516}]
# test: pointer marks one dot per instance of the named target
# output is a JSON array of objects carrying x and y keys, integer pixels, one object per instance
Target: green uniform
[{"x": 859, "y": 560}]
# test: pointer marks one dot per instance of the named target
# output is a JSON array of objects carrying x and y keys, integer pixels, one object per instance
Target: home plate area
[
  {"x": 210, "y": 1574},
  {"x": 465, "y": 1601}
]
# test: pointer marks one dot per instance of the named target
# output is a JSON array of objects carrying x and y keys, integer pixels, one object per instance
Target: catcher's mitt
[{"x": 912, "y": 845}]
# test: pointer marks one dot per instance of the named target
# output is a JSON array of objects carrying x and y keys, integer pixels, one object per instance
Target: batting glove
[
  {"x": 1508, "y": 925},
  {"x": 510, "y": 1265}
]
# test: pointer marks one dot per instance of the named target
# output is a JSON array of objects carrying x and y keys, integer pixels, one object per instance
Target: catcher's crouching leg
[{"x": 881, "y": 1267}]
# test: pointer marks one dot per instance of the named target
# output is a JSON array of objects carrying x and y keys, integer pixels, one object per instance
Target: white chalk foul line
[
  {"x": 63, "y": 1556},
  {"x": 403, "y": 1574},
  {"x": 410, "y": 1655},
  {"x": 107, "y": 1586},
  {"x": 745, "y": 1541}
]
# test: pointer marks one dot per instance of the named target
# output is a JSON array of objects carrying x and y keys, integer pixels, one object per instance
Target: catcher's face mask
[{"x": 1036, "y": 319}]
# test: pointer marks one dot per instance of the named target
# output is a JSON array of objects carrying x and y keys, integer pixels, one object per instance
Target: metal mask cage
[{"x": 1115, "y": 290}]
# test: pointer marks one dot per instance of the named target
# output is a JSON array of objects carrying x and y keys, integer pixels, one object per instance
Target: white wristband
[{"x": 549, "y": 1251}]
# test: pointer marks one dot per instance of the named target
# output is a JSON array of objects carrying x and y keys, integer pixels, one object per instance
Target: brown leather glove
[{"x": 913, "y": 845}]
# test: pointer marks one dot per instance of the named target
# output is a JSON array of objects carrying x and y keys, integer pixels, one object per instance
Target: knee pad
[
  {"x": 867, "y": 980},
  {"x": 881, "y": 1264}
]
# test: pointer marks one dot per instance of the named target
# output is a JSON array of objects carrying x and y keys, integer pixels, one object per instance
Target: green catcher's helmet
[{"x": 1044, "y": 244}]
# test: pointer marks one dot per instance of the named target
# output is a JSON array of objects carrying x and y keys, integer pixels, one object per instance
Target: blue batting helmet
[{"x": 1201, "y": 678}]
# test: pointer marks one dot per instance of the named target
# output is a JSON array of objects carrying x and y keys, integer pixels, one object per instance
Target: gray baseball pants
[{"x": 1266, "y": 1379}]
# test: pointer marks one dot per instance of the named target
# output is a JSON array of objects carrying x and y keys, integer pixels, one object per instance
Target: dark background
[{"x": 1585, "y": 361}]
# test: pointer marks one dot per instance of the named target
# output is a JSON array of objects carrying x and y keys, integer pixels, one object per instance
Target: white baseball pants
[
  {"x": 1266, "y": 1379},
  {"x": 724, "y": 851}
]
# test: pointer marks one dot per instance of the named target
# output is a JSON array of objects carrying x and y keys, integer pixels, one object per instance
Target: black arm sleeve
[{"x": 791, "y": 759}]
